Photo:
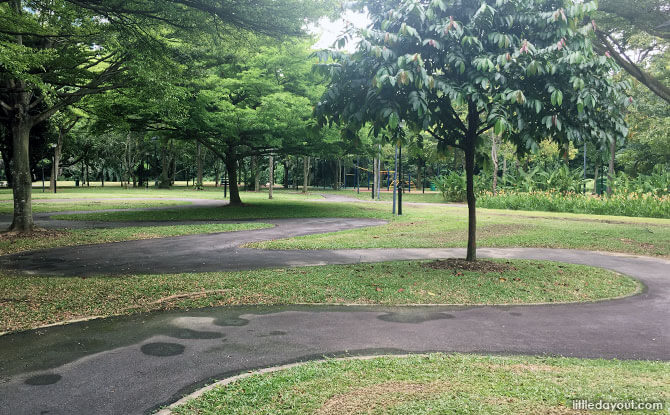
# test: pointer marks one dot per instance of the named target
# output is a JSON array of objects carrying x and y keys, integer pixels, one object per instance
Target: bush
[
  {"x": 633, "y": 204},
  {"x": 452, "y": 187}
]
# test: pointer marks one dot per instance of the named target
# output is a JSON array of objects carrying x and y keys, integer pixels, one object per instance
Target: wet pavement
[
  {"x": 133, "y": 365},
  {"x": 136, "y": 364}
]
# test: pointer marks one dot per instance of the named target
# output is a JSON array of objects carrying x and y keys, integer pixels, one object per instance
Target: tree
[
  {"x": 245, "y": 109},
  {"x": 52, "y": 54},
  {"x": 457, "y": 69}
]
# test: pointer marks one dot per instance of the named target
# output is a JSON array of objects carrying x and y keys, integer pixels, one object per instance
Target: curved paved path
[{"x": 135, "y": 364}]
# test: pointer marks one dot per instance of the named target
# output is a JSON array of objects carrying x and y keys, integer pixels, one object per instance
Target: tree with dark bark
[{"x": 457, "y": 69}]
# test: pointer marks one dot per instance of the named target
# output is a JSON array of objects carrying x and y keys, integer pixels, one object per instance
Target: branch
[
  {"x": 485, "y": 129},
  {"x": 635, "y": 71},
  {"x": 5, "y": 106}
]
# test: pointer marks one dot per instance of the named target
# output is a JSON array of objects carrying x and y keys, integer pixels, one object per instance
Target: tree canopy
[{"x": 456, "y": 69}]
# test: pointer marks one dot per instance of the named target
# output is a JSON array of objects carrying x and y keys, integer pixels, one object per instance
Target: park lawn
[
  {"x": 7, "y": 208},
  {"x": 438, "y": 383},
  {"x": 31, "y": 301},
  {"x": 446, "y": 227},
  {"x": 44, "y": 239},
  {"x": 434, "y": 226},
  {"x": 112, "y": 192}
]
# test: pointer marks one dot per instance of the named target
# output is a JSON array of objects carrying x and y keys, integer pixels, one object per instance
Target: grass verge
[
  {"x": 438, "y": 384},
  {"x": 74, "y": 205},
  {"x": 27, "y": 302},
  {"x": 43, "y": 239}
]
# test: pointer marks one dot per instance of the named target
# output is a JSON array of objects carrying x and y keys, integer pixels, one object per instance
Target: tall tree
[
  {"x": 54, "y": 53},
  {"x": 457, "y": 69}
]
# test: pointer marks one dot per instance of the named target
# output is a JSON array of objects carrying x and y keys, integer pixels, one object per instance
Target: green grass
[
  {"x": 428, "y": 226},
  {"x": 151, "y": 192},
  {"x": 438, "y": 384},
  {"x": 61, "y": 206},
  {"x": 30, "y": 301},
  {"x": 11, "y": 244}
]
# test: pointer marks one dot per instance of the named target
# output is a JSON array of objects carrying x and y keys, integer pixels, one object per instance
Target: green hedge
[{"x": 634, "y": 204}]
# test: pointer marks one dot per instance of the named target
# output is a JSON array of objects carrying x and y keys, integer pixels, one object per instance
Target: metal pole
[
  {"x": 401, "y": 188},
  {"x": 379, "y": 173},
  {"x": 395, "y": 181}
]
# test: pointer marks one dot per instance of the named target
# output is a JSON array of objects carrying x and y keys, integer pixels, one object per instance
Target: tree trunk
[
  {"x": 610, "y": 172},
  {"x": 257, "y": 173},
  {"x": 231, "y": 168},
  {"x": 217, "y": 173},
  {"x": 88, "y": 183},
  {"x": 472, "y": 212},
  {"x": 305, "y": 170},
  {"x": 22, "y": 182},
  {"x": 286, "y": 183},
  {"x": 295, "y": 174},
  {"x": 471, "y": 136},
  {"x": 199, "y": 184},
  {"x": 494, "y": 158},
  {"x": 595, "y": 178},
  {"x": 272, "y": 176},
  {"x": 165, "y": 181}
]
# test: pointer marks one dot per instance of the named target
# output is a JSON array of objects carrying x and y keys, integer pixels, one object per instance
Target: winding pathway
[{"x": 136, "y": 364}]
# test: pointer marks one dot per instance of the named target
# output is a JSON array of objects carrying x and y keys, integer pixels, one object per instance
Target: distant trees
[{"x": 53, "y": 54}]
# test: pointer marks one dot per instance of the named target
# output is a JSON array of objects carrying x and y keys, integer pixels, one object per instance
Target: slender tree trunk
[
  {"x": 272, "y": 176},
  {"x": 610, "y": 172},
  {"x": 231, "y": 168},
  {"x": 305, "y": 170},
  {"x": 88, "y": 183},
  {"x": 285, "y": 163},
  {"x": 595, "y": 178},
  {"x": 473, "y": 124},
  {"x": 257, "y": 173},
  {"x": 199, "y": 184},
  {"x": 164, "y": 182},
  {"x": 494, "y": 158},
  {"x": 22, "y": 182},
  {"x": 295, "y": 174},
  {"x": 217, "y": 173}
]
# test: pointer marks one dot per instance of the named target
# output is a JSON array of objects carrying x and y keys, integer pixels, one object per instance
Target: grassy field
[
  {"x": 427, "y": 226},
  {"x": 6, "y": 208},
  {"x": 30, "y": 301},
  {"x": 43, "y": 239},
  {"x": 438, "y": 384},
  {"x": 208, "y": 192}
]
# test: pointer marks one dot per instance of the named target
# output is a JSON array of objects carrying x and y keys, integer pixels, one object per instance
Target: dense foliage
[{"x": 457, "y": 69}]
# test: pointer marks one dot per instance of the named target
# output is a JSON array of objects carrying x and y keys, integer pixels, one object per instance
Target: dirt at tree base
[
  {"x": 454, "y": 264},
  {"x": 37, "y": 232}
]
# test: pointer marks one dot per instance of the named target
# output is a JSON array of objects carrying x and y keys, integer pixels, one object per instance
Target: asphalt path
[{"x": 136, "y": 364}]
